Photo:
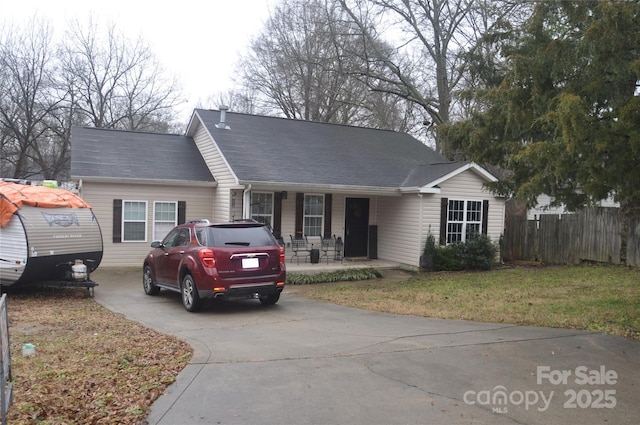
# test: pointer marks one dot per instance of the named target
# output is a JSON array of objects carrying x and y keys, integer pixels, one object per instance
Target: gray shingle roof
[
  {"x": 135, "y": 155},
  {"x": 263, "y": 149},
  {"x": 270, "y": 149}
]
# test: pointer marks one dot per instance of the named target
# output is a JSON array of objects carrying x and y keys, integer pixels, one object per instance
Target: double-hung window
[
  {"x": 134, "y": 221},
  {"x": 464, "y": 220},
  {"x": 165, "y": 218},
  {"x": 313, "y": 215},
  {"x": 262, "y": 207}
]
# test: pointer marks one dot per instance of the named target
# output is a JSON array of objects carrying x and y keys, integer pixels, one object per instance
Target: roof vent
[{"x": 223, "y": 115}]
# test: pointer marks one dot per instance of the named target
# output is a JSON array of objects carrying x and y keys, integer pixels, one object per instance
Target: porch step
[{"x": 356, "y": 259}]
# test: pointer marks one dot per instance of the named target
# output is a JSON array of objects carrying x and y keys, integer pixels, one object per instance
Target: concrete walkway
[{"x": 305, "y": 362}]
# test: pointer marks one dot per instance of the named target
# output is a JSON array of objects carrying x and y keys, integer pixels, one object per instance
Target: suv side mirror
[{"x": 156, "y": 244}]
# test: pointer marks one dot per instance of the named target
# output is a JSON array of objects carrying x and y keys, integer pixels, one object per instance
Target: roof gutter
[
  {"x": 92, "y": 179},
  {"x": 421, "y": 190},
  {"x": 333, "y": 188}
]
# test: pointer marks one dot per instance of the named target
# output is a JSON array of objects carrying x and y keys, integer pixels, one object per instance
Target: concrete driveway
[{"x": 305, "y": 362}]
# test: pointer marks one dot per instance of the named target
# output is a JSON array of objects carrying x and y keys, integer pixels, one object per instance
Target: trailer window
[{"x": 134, "y": 221}]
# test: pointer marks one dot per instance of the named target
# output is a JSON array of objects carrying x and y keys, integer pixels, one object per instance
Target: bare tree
[
  {"x": 28, "y": 104},
  {"x": 87, "y": 79},
  {"x": 430, "y": 38},
  {"x": 238, "y": 100},
  {"x": 299, "y": 67},
  {"x": 116, "y": 83}
]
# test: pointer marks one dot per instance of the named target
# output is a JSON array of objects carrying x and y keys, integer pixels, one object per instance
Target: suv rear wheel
[
  {"x": 150, "y": 288},
  {"x": 190, "y": 298}
]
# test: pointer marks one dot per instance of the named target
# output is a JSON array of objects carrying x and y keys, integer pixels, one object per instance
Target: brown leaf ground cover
[{"x": 91, "y": 365}]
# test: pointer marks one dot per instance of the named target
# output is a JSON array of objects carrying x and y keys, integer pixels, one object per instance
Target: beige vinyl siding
[
  {"x": 337, "y": 211},
  {"x": 199, "y": 204},
  {"x": 225, "y": 179},
  {"x": 288, "y": 218},
  {"x": 235, "y": 206},
  {"x": 399, "y": 232}
]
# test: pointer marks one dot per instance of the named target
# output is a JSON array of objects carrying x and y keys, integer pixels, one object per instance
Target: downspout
[
  {"x": 421, "y": 229},
  {"x": 246, "y": 202}
]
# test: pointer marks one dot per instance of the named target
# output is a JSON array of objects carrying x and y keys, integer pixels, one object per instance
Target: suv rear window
[{"x": 220, "y": 236}]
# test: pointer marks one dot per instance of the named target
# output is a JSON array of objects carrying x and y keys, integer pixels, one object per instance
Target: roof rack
[
  {"x": 246, "y": 220},
  {"x": 199, "y": 220}
]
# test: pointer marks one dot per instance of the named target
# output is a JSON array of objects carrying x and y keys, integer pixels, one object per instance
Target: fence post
[
  {"x": 5, "y": 361},
  {"x": 633, "y": 243}
]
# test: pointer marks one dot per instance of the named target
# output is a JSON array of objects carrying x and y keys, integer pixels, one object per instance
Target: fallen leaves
[{"x": 91, "y": 365}]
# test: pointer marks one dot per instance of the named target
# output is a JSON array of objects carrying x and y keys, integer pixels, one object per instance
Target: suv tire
[
  {"x": 150, "y": 288},
  {"x": 190, "y": 298}
]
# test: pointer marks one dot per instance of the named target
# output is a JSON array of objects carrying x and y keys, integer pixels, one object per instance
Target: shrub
[
  {"x": 477, "y": 253},
  {"x": 337, "y": 276},
  {"x": 445, "y": 258},
  {"x": 429, "y": 252}
]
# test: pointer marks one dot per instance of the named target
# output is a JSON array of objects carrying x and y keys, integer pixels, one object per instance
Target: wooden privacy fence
[{"x": 595, "y": 234}]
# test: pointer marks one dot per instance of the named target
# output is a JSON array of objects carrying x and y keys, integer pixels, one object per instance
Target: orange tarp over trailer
[{"x": 13, "y": 196}]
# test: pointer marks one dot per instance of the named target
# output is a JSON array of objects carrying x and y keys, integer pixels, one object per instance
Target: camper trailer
[{"x": 47, "y": 236}]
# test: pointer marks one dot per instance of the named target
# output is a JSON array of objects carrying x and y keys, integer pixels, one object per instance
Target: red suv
[{"x": 229, "y": 260}]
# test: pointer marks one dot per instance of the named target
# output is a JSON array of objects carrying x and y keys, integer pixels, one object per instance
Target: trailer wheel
[{"x": 150, "y": 288}]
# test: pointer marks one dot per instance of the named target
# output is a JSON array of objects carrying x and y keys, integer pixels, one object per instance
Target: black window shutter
[
  {"x": 299, "y": 214},
  {"x": 182, "y": 212},
  {"x": 117, "y": 220},
  {"x": 277, "y": 215},
  {"x": 485, "y": 216},
  {"x": 444, "y": 205},
  {"x": 327, "y": 215}
]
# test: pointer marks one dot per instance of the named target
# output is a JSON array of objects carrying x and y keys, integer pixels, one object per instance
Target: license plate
[{"x": 250, "y": 263}]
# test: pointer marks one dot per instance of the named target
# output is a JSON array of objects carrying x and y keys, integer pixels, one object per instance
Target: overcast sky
[{"x": 199, "y": 41}]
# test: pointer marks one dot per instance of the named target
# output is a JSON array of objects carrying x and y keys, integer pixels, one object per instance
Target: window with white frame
[
  {"x": 165, "y": 218},
  {"x": 134, "y": 221},
  {"x": 313, "y": 215},
  {"x": 464, "y": 220},
  {"x": 262, "y": 207}
]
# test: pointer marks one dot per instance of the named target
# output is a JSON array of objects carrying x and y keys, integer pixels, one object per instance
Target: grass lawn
[{"x": 596, "y": 298}]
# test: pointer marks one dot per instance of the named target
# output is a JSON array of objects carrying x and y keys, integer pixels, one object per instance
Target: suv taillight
[
  {"x": 281, "y": 255},
  {"x": 207, "y": 257}
]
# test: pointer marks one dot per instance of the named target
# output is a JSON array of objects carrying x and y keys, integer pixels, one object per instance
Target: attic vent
[{"x": 223, "y": 115}]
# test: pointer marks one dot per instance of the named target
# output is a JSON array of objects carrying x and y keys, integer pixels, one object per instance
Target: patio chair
[
  {"x": 326, "y": 245},
  {"x": 300, "y": 247}
]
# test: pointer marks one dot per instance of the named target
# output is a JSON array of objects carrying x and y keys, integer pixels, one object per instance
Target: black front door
[{"x": 356, "y": 225}]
